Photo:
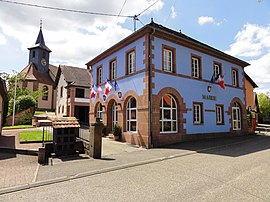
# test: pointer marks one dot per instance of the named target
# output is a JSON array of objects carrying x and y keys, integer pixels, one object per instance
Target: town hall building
[{"x": 170, "y": 88}]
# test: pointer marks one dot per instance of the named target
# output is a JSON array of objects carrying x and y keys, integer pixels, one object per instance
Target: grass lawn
[
  {"x": 36, "y": 135},
  {"x": 18, "y": 127}
]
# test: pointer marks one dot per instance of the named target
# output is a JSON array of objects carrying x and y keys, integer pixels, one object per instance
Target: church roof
[
  {"x": 76, "y": 76},
  {"x": 53, "y": 70},
  {"x": 40, "y": 42},
  {"x": 31, "y": 74}
]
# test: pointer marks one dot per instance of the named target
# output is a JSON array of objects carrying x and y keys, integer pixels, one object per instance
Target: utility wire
[
  {"x": 114, "y": 23},
  {"x": 65, "y": 10},
  {"x": 173, "y": 6},
  {"x": 147, "y": 8}
]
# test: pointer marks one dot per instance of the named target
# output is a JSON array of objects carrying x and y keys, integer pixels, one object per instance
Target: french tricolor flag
[
  {"x": 93, "y": 92},
  {"x": 108, "y": 87}
]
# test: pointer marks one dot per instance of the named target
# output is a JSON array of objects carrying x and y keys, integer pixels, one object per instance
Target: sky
[{"x": 239, "y": 28}]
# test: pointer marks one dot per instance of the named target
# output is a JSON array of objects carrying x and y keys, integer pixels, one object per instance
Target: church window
[{"x": 45, "y": 93}]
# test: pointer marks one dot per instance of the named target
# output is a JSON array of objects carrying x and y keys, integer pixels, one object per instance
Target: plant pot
[{"x": 116, "y": 137}]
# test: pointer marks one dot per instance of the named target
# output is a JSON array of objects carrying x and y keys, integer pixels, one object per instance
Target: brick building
[{"x": 166, "y": 94}]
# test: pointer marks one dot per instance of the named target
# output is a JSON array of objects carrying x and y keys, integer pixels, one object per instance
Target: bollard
[
  {"x": 95, "y": 140},
  {"x": 41, "y": 155}
]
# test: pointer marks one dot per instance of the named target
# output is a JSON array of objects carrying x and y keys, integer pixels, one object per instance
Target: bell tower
[{"x": 39, "y": 53}]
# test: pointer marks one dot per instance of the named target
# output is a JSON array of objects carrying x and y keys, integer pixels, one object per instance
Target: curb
[
  {"x": 87, "y": 174},
  {"x": 19, "y": 151},
  {"x": 106, "y": 170}
]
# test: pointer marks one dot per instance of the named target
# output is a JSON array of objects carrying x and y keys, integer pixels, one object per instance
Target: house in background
[
  {"x": 3, "y": 99},
  {"x": 252, "y": 104},
  {"x": 73, "y": 91},
  {"x": 166, "y": 94},
  {"x": 40, "y": 75}
]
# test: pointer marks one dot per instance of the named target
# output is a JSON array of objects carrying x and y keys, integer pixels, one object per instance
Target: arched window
[
  {"x": 132, "y": 115},
  {"x": 45, "y": 93},
  {"x": 99, "y": 111},
  {"x": 168, "y": 114},
  {"x": 236, "y": 116},
  {"x": 114, "y": 114}
]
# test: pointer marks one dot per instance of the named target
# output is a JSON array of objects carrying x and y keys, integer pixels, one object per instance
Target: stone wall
[{"x": 18, "y": 117}]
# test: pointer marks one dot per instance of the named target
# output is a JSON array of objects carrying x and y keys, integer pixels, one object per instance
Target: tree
[
  {"x": 10, "y": 79},
  {"x": 264, "y": 105}
]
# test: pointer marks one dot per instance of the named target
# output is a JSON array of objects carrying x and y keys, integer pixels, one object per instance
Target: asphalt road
[{"x": 237, "y": 172}]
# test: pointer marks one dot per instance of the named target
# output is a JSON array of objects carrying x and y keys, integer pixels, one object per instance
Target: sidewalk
[{"x": 117, "y": 156}]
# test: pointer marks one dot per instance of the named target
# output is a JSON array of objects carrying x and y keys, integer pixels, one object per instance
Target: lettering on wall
[{"x": 209, "y": 97}]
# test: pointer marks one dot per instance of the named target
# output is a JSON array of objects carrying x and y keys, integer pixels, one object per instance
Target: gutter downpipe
[{"x": 150, "y": 88}]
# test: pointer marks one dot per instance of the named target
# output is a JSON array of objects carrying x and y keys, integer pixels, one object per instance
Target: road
[{"x": 236, "y": 172}]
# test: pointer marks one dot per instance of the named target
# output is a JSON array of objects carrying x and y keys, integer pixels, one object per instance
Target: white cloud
[
  {"x": 3, "y": 39},
  {"x": 202, "y": 20},
  {"x": 259, "y": 70},
  {"x": 251, "y": 41},
  {"x": 73, "y": 38},
  {"x": 173, "y": 13}
]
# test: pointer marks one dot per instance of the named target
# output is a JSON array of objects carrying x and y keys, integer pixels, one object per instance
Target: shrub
[
  {"x": 117, "y": 130},
  {"x": 26, "y": 119},
  {"x": 24, "y": 102},
  {"x": 104, "y": 129}
]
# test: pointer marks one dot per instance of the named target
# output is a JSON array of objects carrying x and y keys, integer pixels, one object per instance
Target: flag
[
  {"x": 93, "y": 91},
  {"x": 214, "y": 78},
  {"x": 108, "y": 87},
  {"x": 99, "y": 90},
  {"x": 116, "y": 87},
  {"x": 220, "y": 81}
]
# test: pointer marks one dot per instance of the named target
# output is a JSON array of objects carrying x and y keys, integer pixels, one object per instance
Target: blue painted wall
[
  {"x": 134, "y": 82},
  {"x": 192, "y": 90}
]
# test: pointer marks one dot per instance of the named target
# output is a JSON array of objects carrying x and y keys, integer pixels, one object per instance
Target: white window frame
[
  {"x": 114, "y": 114},
  {"x": 236, "y": 117},
  {"x": 113, "y": 69},
  {"x": 217, "y": 69},
  {"x": 197, "y": 113},
  {"x": 219, "y": 114},
  {"x": 129, "y": 111},
  {"x": 171, "y": 119},
  {"x": 195, "y": 67},
  {"x": 131, "y": 62},
  {"x": 234, "y": 78},
  {"x": 167, "y": 60},
  {"x": 99, "y": 111},
  {"x": 99, "y": 75}
]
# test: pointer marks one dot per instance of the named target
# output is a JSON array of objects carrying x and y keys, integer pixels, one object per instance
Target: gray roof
[
  {"x": 53, "y": 72},
  {"x": 76, "y": 76}
]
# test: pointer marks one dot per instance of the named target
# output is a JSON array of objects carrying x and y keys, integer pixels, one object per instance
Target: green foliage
[
  {"x": 117, "y": 130},
  {"x": 24, "y": 102},
  {"x": 264, "y": 105},
  {"x": 26, "y": 119},
  {"x": 104, "y": 129},
  {"x": 11, "y": 80}
]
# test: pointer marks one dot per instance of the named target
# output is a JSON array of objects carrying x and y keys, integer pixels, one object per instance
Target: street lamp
[{"x": 14, "y": 100}]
